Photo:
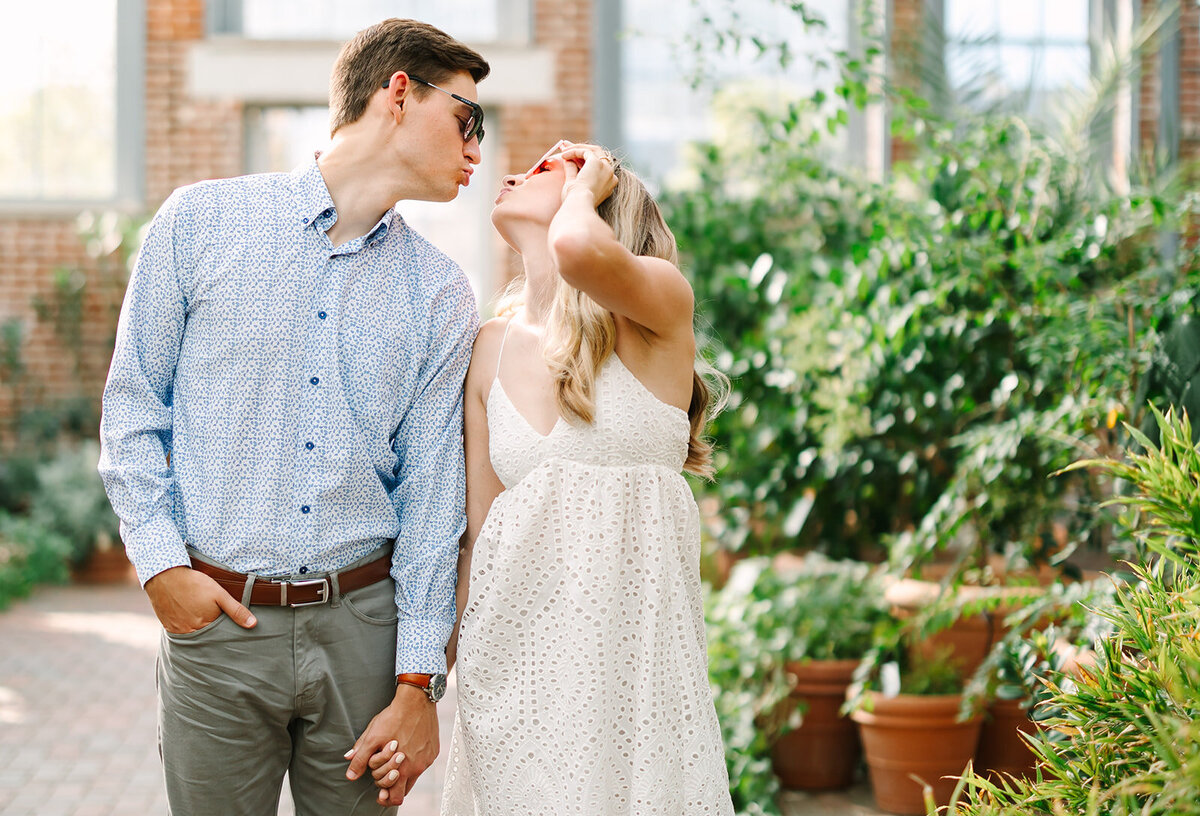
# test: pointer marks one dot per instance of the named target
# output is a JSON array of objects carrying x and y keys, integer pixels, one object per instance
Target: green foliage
[
  {"x": 760, "y": 620},
  {"x": 18, "y": 483},
  {"x": 1128, "y": 740},
  {"x": 71, "y": 501},
  {"x": 1174, "y": 375},
  {"x": 29, "y": 554},
  {"x": 912, "y": 359},
  {"x": 939, "y": 675}
]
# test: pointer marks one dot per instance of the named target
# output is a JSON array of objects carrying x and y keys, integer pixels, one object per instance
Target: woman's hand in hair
[{"x": 590, "y": 168}]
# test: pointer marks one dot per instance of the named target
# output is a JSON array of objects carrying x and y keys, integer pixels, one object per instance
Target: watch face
[{"x": 437, "y": 686}]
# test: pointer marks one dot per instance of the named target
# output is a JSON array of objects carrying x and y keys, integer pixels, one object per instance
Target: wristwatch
[{"x": 434, "y": 685}]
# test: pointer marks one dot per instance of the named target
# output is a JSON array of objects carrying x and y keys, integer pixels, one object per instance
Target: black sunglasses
[{"x": 474, "y": 126}]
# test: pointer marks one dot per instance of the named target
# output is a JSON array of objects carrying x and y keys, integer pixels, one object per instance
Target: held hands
[
  {"x": 399, "y": 744},
  {"x": 186, "y": 600},
  {"x": 587, "y": 167}
]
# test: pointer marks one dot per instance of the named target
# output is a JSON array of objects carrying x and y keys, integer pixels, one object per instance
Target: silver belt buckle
[{"x": 322, "y": 594}]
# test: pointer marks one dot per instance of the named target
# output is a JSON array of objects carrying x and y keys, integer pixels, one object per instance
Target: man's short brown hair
[{"x": 394, "y": 45}]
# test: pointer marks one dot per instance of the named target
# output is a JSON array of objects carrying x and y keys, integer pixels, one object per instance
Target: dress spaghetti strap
[{"x": 500, "y": 356}]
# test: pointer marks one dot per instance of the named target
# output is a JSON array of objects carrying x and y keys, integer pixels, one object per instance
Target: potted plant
[
  {"x": 914, "y": 735},
  {"x": 1045, "y": 639},
  {"x": 832, "y": 609},
  {"x": 784, "y": 638}
]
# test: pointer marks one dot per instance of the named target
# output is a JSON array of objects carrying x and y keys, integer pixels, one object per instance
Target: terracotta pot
[
  {"x": 106, "y": 565},
  {"x": 969, "y": 639},
  {"x": 918, "y": 735},
  {"x": 822, "y": 754},
  {"x": 1001, "y": 748}
]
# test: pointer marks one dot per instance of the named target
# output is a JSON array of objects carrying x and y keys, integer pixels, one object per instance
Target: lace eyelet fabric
[{"x": 582, "y": 664}]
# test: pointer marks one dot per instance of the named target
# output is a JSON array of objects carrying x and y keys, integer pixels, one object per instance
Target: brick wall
[
  {"x": 188, "y": 140},
  {"x": 1189, "y": 86},
  {"x": 565, "y": 27},
  {"x": 907, "y": 26},
  {"x": 1189, "y": 83}
]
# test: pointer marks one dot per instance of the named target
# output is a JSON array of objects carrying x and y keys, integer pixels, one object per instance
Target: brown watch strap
[{"x": 418, "y": 680}]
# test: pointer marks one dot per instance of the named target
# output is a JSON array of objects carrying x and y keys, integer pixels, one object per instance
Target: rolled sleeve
[{"x": 430, "y": 495}]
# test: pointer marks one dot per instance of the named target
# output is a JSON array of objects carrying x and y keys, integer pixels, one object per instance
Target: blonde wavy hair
[{"x": 581, "y": 334}]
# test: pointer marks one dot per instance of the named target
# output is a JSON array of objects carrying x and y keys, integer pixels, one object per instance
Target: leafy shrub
[
  {"x": 29, "y": 554},
  {"x": 71, "y": 500},
  {"x": 912, "y": 359}
]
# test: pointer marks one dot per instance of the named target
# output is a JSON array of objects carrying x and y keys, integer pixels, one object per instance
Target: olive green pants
[{"x": 240, "y": 707}]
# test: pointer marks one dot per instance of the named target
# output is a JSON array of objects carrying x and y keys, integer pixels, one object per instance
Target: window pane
[
  {"x": 1021, "y": 20},
  {"x": 58, "y": 100},
  {"x": 1025, "y": 60},
  {"x": 662, "y": 112},
  {"x": 468, "y": 20},
  {"x": 966, "y": 20},
  {"x": 279, "y": 139},
  {"x": 1067, "y": 21}
]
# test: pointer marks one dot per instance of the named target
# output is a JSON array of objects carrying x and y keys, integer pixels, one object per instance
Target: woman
[{"x": 582, "y": 680}]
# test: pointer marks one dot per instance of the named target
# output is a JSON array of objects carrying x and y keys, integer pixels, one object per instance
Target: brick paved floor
[{"x": 77, "y": 713}]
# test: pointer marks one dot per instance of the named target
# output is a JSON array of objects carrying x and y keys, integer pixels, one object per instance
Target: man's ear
[{"x": 397, "y": 92}]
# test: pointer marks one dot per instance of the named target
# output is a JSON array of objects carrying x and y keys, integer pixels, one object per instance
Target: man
[{"x": 283, "y": 404}]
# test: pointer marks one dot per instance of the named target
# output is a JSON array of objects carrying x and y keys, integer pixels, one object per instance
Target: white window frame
[{"x": 130, "y": 130}]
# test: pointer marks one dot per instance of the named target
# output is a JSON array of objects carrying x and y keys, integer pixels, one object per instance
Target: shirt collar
[
  {"x": 312, "y": 196},
  {"x": 314, "y": 205}
]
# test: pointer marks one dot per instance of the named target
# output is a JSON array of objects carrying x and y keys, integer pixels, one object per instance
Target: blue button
[
  {"x": 321, "y": 315},
  {"x": 303, "y": 570},
  {"x": 309, "y": 445},
  {"x": 315, "y": 380},
  {"x": 305, "y": 221},
  {"x": 305, "y": 509}
]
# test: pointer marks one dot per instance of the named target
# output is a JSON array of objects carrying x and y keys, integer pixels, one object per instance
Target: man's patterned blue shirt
[{"x": 286, "y": 407}]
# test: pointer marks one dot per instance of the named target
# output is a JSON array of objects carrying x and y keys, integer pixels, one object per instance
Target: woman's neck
[{"x": 538, "y": 295}]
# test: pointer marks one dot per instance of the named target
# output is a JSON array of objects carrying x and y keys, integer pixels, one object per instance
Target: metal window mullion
[
  {"x": 224, "y": 17},
  {"x": 608, "y": 76},
  {"x": 130, "y": 130},
  {"x": 514, "y": 20},
  {"x": 1169, "y": 90}
]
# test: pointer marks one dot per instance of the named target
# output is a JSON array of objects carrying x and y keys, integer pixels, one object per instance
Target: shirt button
[
  {"x": 315, "y": 380},
  {"x": 309, "y": 445},
  {"x": 303, "y": 570},
  {"x": 321, "y": 315},
  {"x": 305, "y": 508}
]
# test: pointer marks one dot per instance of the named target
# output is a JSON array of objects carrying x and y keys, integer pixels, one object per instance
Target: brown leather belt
[{"x": 274, "y": 592}]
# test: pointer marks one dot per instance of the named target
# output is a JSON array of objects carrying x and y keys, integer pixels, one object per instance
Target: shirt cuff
[
  {"x": 155, "y": 546},
  {"x": 421, "y": 645}
]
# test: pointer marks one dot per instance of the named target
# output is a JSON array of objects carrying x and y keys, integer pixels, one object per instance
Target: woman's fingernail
[
  {"x": 348, "y": 754},
  {"x": 393, "y": 776},
  {"x": 393, "y": 745}
]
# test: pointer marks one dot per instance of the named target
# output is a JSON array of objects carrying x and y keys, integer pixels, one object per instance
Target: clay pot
[
  {"x": 915, "y": 735},
  {"x": 822, "y": 754},
  {"x": 1002, "y": 751},
  {"x": 968, "y": 640},
  {"x": 106, "y": 565}
]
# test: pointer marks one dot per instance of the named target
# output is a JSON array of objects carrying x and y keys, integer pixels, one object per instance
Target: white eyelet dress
[{"x": 582, "y": 667}]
